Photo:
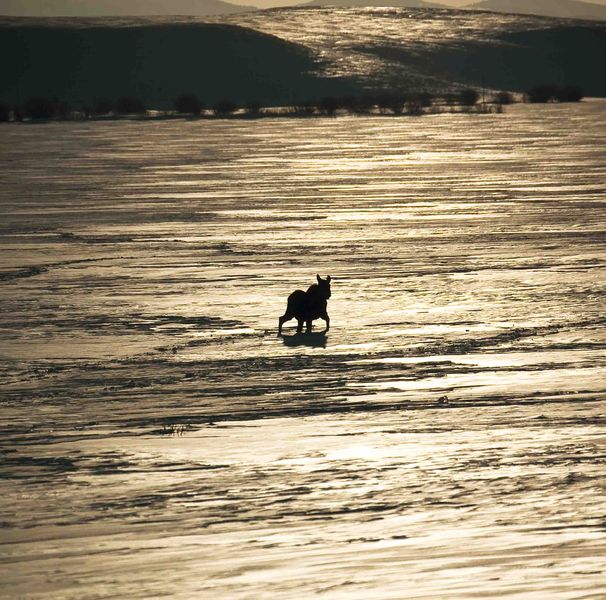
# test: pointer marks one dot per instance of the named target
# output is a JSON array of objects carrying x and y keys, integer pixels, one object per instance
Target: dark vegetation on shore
[
  {"x": 555, "y": 93},
  {"x": 382, "y": 103}
]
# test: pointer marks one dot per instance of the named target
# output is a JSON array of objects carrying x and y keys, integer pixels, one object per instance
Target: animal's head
[{"x": 324, "y": 285}]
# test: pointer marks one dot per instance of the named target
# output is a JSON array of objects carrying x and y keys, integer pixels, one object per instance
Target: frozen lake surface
[{"x": 159, "y": 440}]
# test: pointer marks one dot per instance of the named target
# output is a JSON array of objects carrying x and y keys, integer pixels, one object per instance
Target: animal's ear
[
  {"x": 318, "y": 278},
  {"x": 328, "y": 278}
]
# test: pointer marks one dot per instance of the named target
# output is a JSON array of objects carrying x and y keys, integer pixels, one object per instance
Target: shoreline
[{"x": 281, "y": 112}]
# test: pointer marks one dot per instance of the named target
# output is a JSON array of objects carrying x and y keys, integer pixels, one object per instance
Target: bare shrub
[
  {"x": 542, "y": 93},
  {"x": 224, "y": 108},
  {"x": 101, "y": 106},
  {"x": 469, "y": 97},
  {"x": 570, "y": 93},
  {"x": 5, "y": 112},
  {"x": 129, "y": 105},
  {"x": 39, "y": 108},
  {"x": 329, "y": 106},
  {"x": 503, "y": 98},
  {"x": 253, "y": 108},
  {"x": 188, "y": 104}
]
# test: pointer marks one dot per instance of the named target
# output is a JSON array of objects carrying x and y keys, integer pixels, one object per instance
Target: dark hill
[
  {"x": 434, "y": 49},
  {"x": 288, "y": 55},
  {"x": 515, "y": 61},
  {"x": 155, "y": 64}
]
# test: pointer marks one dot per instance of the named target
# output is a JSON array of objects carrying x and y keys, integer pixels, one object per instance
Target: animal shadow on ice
[{"x": 311, "y": 340}]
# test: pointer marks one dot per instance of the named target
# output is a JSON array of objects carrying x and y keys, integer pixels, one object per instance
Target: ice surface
[{"x": 159, "y": 439}]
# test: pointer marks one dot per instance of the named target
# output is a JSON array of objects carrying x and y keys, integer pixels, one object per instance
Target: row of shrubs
[
  {"x": 189, "y": 104},
  {"x": 550, "y": 92},
  {"x": 386, "y": 102},
  {"x": 390, "y": 102},
  {"x": 45, "y": 108}
]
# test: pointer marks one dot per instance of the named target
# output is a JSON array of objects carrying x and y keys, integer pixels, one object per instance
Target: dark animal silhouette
[{"x": 308, "y": 306}]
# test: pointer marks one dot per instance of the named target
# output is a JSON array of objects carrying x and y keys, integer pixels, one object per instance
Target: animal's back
[{"x": 297, "y": 303}]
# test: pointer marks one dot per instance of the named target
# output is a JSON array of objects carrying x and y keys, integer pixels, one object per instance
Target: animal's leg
[
  {"x": 327, "y": 319},
  {"x": 282, "y": 320},
  {"x": 308, "y": 325},
  {"x": 299, "y": 325}
]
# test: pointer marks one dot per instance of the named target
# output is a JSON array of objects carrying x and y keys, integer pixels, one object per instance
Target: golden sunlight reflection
[{"x": 444, "y": 439}]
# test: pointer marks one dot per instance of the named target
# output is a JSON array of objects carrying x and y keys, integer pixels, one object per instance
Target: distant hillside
[
  {"x": 436, "y": 49},
  {"x": 515, "y": 61},
  {"x": 289, "y": 55},
  {"x": 392, "y": 3},
  {"x": 104, "y": 8},
  {"x": 567, "y": 9},
  {"x": 155, "y": 63}
]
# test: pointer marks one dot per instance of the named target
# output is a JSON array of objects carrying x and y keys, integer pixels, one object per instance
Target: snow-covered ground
[{"x": 158, "y": 438}]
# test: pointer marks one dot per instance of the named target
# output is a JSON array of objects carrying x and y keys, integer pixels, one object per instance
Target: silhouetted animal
[{"x": 308, "y": 306}]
